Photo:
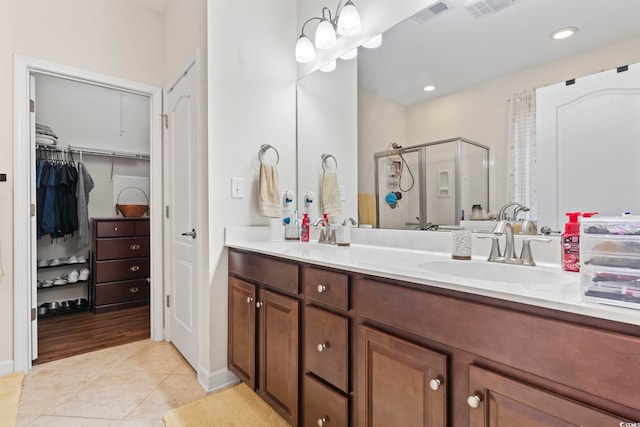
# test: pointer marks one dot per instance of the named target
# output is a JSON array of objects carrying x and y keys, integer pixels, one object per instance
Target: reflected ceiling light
[
  {"x": 350, "y": 54},
  {"x": 563, "y": 33},
  {"x": 345, "y": 22},
  {"x": 328, "y": 67},
  {"x": 374, "y": 42},
  {"x": 429, "y": 88}
]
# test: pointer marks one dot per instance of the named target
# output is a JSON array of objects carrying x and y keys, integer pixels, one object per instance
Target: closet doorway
[{"x": 59, "y": 255}]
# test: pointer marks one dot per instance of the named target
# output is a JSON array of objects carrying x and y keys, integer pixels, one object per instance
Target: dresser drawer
[
  {"x": 111, "y": 271},
  {"x": 142, "y": 227},
  {"x": 114, "y": 248},
  {"x": 323, "y": 406},
  {"x": 326, "y": 346},
  {"x": 328, "y": 287},
  {"x": 114, "y": 228},
  {"x": 269, "y": 271},
  {"x": 115, "y": 292}
]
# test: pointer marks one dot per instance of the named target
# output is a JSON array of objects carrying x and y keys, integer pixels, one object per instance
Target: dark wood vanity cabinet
[{"x": 379, "y": 352}]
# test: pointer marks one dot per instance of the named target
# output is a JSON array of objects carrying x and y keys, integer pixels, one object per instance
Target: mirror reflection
[{"x": 478, "y": 65}]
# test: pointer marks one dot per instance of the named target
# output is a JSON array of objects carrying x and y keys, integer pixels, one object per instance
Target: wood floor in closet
[{"x": 67, "y": 335}]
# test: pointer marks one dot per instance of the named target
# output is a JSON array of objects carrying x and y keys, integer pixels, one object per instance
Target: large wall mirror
[{"x": 476, "y": 65}]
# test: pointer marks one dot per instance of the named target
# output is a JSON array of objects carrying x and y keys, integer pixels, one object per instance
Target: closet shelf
[
  {"x": 42, "y": 288},
  {"x": 65, "y": 265},
  {"x": 94, "y": 151}
]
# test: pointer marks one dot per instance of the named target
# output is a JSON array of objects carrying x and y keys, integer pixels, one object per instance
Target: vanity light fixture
[
  {"x": 374, "y": 42},
  {"x": 429, "y": 88},
  {"x": 328, "y": 67},
  {"x": 563, "y": 33},
  {"x": 350, "y": 54},
  {"x": 344, "y": 22}
]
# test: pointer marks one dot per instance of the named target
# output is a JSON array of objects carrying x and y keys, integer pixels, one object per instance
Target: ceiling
[{"x": 454, "y": 50}]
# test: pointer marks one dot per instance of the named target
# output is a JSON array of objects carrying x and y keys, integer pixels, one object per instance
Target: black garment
[{"x": 66, "y": 202}]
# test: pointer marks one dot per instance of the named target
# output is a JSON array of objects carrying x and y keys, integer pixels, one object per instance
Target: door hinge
[
  {"x": 166, "y": 211},
  {"x": 168, "y": 305},
  {"x": 32, "y": 106},
  {"x": 33, "y": 209},
  {"x": 33, "y": 314},
  {"x": 165, "y": 120}
]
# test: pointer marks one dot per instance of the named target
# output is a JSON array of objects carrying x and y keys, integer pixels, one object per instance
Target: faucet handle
[
  {"x": 527, "y": 256},
  {"x": 495, "y": 247}
]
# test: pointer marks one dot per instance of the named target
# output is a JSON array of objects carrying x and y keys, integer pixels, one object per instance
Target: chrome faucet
[
  {"x": 519, "y": 208},
  {"x": 509, "y": 256},
  {"x": 349, "y": 220},
  {"x": 327, "y": 235}
]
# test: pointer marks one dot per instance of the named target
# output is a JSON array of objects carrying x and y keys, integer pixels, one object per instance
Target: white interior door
[
  {"x": 32, "y": 247},
  {"x": 182, "y": 212}
]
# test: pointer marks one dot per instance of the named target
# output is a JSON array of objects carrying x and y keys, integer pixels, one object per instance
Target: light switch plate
[
  {"x": 237, "y": 188},
  {"x": 343, "y": 195}
]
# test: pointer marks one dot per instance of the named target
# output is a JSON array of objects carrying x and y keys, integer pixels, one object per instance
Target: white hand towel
[
  {"x": 331, "y": 193},
  {"x": 269, "y": 193}
]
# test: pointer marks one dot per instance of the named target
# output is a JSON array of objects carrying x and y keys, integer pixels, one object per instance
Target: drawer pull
[
  {"x": 435, "y": 384},
  {"x": 134, "y": 247},
  {"x": 322, "y": 347},
  {"x": 474, "y": 401},
  {"x": 134, "y": 289},
  {"x": 258, "y": 304},
  {"x": 322, "y": 421},
  {"x": 249, "y": 300},
  {"x": 115, "y": 228},
  {"x": 134, "y": 268},
  {"x": 322, "y": 288}
]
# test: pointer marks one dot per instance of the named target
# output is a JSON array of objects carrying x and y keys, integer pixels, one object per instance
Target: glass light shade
[
  {"x": 325, "y": 35},
  {"x": 328, "y": 67},
  {"x": 563, "y": 33},
  {"x": 349, "y": 20},
  {"x": 374, "y": 42},
  {"x": 305, "y": 51},
  {"x": 350, "y": 54}
]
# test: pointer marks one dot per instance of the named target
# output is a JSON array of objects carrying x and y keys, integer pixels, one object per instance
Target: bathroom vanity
[{"x": 332, "y": 336}]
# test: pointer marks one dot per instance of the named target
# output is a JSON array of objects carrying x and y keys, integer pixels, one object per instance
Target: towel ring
[
  {"x": 264, "y": 148},
  {"x": 325, "y": 157}
]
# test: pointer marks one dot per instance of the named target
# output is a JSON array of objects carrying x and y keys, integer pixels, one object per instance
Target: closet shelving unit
[{"x": 67, "y": 267}]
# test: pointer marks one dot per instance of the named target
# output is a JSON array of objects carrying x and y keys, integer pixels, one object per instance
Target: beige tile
[
  {"x": 24, "y": 419},
  {"x": 53, "y": 421},
  {"x": 147, "y": 423}
]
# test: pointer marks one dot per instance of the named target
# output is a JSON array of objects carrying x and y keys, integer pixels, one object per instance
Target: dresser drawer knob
[
  {"x": 474, "y": 401},
  {"x": 322, "y": 288},
  {"x": 134, "y": 268},
  {"x": 134, "y": 247},
  {"x": 323, "y": 347},
  {"x": 115, "y": 228},
  {"x": 322, "y": 421},
  {"x": 249, "y": 300},
  {"x": 134, "y": 289},
  {"x": 258, "y": 304},
  {"x": 435, "y": 384}
]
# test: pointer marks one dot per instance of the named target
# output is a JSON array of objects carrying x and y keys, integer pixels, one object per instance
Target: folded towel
[
  {"x": 46, "y": 141},
  {"x": 269, "y": 193},
  {"x": 331, "y": 193}
]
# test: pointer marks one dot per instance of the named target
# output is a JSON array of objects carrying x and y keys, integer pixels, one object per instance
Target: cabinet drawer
[
  {"x": 114, "y": 228},
  {"x": 328, "y": 287},
  {"x": 142, "y": 227},
  {"x": 122, "y": 248},
  {"x": 130, "y": 290},
  {"x": 327, "y": 347},
  {"x": 278, "y": 274},
  {"x": 111, "y": 271},
  {"x": 322, "y": 405}
]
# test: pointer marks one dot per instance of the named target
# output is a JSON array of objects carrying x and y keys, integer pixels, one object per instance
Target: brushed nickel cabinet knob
[{"x": 474, "y": 401}]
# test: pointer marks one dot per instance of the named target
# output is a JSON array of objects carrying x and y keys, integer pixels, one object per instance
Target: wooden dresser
[{"x": 120, "y": 259}]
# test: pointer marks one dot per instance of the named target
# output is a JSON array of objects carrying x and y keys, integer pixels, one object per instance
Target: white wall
[
  {"x": 252, "y": 77},
  {"x": 113, "y": 37}
]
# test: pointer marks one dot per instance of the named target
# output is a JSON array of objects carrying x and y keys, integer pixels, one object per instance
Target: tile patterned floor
[{"x": 132, "y": 385}]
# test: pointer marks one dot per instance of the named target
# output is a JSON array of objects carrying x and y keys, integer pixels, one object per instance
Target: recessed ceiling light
[
  {"x": 429, "y": 88},
  {"x": 563, "y": 33}
]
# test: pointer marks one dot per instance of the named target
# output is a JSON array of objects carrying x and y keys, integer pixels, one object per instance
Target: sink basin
[{"x": 495, "y": 272}]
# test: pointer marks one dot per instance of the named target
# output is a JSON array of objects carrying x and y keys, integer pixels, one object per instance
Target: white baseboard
[
  {"x": 6, "y": 367},
  {"x": 211, "y": 381}
]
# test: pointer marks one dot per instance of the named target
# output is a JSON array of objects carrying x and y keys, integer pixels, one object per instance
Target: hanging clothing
[
  {"x": 48, "y": 213},
  {"x": 84, "y": 186}
]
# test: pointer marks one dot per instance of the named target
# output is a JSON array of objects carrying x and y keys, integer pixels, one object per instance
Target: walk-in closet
[{"x": 92, "y": 189}]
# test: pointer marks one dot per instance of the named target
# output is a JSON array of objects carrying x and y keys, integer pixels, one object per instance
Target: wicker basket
[{"x": 133, "y": 211}]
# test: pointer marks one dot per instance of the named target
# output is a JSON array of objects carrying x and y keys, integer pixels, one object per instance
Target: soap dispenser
[{"x": 570, "y": 241}]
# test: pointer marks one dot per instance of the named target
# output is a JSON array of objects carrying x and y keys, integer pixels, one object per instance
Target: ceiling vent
[
  {"x": 481, "y": 8},
  {"x": 435, "y": 9}
]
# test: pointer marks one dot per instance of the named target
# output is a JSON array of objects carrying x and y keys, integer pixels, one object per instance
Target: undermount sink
[{"x": 496, "y": 272}]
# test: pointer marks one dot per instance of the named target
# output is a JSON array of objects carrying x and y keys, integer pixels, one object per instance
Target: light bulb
[
  {"x": 350, "y": 54},
  {"x": 325, "y": 35},
  {"x": 304, "y": 50},
  {"x": 429, "y": 88},
  {"x": 374, "y": 42},
  {"x": 563, "y": 33},
  {"x": 349, "y": 20},
  {"x": 328, "y": 67}
]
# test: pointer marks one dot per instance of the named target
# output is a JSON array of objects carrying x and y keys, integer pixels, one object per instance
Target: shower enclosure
[{"x": 432, "y": 184}]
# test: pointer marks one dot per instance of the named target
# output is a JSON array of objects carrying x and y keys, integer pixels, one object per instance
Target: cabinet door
[
  {"x": 279, "y": 353},
  {"x": 399, "y": 383},
  {"x": 496, "y": 401},
  {"x": 242, "y": 330}
]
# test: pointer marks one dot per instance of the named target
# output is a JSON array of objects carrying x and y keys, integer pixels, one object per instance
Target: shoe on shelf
[
  {"x": 84, "y": 274},
  {"x": 72, "y": 260},
  {"x": 39, "y": 283},
  {"x": 55, "y": 262},
  {"x": 72, "y": 276},
  {"x": 43, "y": 262},
  {"x": 82, "y": 258},
  {"x": 47, "y": 283},
  {"x": 59, "y": 281}
]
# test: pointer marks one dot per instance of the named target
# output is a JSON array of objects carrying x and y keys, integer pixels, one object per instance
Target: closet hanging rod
[{"x": 95, "y": 151}]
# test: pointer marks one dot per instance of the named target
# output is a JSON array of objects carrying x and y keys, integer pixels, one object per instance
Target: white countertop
[{"x": 412, "y": 265}]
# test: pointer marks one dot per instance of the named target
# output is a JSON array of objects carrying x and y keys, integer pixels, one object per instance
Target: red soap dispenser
[
  {"x": 304, "y": 229},
  {"x": 570, "y": 242}
]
